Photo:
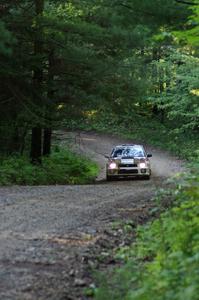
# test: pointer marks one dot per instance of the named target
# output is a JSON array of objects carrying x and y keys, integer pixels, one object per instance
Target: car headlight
[
  {"x": 143, "y": 165},
  {"x": 112, "y": 165}
]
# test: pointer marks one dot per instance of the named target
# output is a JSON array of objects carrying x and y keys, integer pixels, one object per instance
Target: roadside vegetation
[
  {"x": 61, "y": 167},
  {"x": 163, "y": 262}
]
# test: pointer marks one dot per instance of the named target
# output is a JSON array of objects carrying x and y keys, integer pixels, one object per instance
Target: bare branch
[{"x": 186, "y": 2}]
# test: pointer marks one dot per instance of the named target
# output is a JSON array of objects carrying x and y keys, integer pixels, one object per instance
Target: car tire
[
  {"x": 109, "y": 178},
  {"x": 147, "y": 177}
]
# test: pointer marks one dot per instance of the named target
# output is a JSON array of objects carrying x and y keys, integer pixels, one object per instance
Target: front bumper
[{"x": 128, "y": 171}]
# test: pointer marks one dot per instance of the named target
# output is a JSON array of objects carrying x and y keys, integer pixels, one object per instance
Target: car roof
[{"x": 128, "y": 145}]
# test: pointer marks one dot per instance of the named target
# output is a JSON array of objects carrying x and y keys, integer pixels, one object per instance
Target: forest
[
  {"x": 66, "y": 62},
  {"x": 123, "y": 67}
]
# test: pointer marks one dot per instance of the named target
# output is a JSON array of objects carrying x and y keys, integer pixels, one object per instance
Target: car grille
[
  {"x": 127, "y": 165},
  {"x": 126, "y": 171}
]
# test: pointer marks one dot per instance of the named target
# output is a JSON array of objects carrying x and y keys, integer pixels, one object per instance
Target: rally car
[{"x": 127, "y": 161}]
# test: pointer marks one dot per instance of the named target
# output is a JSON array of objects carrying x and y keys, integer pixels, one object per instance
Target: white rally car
[{"x": 128, "y": 160}]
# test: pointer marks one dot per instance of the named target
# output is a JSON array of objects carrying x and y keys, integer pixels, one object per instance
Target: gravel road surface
[{"x": 47, "y": 233}]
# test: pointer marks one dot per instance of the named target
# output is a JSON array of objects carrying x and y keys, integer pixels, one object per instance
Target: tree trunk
[
  {"x": 159, "y": 83},
  {"x": 15, "y": 141},
  {"x": 48, "y": 131},
  {"x": 23, "y": 139},
  {"x": 155, "y": 78},
  {"x": 36, "y": 141},
  {"x": 47, "y": 141},
  {"x": 36, "y": 145}
]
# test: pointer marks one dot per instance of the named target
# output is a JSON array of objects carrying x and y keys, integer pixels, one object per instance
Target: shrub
[{"x": 62, "y": 167}]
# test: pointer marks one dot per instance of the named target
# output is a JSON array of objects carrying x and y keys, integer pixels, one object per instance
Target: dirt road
[{"x": 49, "y": 235}]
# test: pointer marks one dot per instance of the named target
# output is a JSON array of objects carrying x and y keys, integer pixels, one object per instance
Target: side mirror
[{"x": 149, "y": 155}]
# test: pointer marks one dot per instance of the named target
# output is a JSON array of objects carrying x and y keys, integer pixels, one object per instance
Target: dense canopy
[{"x": 67, "y": 60}]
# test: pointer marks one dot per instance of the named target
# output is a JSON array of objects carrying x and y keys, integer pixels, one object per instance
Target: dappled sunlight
[{"x": 195, "y": 92}]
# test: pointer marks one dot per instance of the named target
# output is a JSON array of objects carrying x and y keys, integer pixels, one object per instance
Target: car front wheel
[
  {"x": 109, "y": 178},
  {"x": 147, "y": 177}
]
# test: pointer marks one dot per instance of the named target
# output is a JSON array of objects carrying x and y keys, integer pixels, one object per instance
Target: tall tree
[
  {"x": 71, "y": 57},
  {"x": 36, "y": 141}
]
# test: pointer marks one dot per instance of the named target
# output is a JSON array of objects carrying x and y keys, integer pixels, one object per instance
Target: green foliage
[
  {"x": 89, "y": 54},
  {"x": 190, "y": 36},
  {"x": 62, "y": 167},
  {"x": 179, "y": 99},
  {"x": 164, "y": 261}
]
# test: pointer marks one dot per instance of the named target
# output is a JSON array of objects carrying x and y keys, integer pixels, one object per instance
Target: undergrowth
[
  {"x": 163, "y": 263},
  {"x": 62, "y": 167}
]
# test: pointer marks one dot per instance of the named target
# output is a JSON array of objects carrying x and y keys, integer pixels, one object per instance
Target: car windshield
[{"x": 128, "y": 152}]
